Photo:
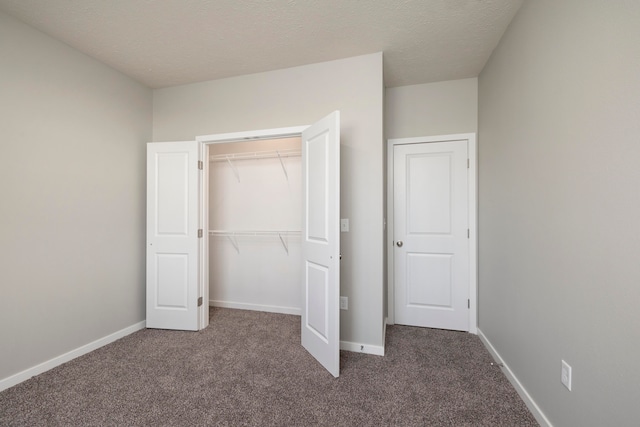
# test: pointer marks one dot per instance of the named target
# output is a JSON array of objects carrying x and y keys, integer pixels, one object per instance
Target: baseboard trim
[
  {"x": 362, "y": 348},
  {"x": 384, "y": 333},
  {"x": 526, "y": 397},
  {"x": 256, "y": 307},
  {"x": 66, "y": 357}
]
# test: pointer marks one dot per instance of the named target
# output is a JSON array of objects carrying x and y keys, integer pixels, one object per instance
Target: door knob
[{"x": 399, "y": 243}]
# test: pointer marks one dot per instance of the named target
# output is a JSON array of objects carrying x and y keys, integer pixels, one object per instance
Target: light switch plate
[{"x": 344, "y": 225}]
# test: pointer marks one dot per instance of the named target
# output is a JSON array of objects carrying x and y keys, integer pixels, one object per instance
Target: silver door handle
[{"x": 399, "y": 243}]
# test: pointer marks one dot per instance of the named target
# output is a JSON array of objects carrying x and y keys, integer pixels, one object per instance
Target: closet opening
[
  {"x": 269, "y": 207},
  {"x": 254, "y": 224},
  {"x": 253, "y": 217}
]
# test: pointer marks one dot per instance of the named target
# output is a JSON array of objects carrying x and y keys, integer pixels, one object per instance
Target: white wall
[
  {"x": 256, "y": 272},
  {"x": 72, "y": 190},
  {"x": 432, "y": 109},
  {"x": 559, "y": 152},
  {"x": 300, "y": 96}
]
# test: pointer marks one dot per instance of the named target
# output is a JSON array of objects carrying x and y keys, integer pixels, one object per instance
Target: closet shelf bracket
[
  {"x": 234, "y": 168},
  {"x": 234, "y": 242},
  {"x": 286, "y": 175},
  {"x": 284, "y": 244},
  {"x": 233, "y": 235}
]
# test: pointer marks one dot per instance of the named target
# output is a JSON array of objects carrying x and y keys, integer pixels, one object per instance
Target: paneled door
[
  {"x": 173, "y": 251},
  {"x": 321, "y": 241},
  {"x": 431, "y": 252},
  {"x": 172, "y": 235}
]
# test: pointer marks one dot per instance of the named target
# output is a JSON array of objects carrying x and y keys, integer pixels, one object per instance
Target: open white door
[
  {"x": 321, "y": 241},
  {"x": 172, "y": 235}
]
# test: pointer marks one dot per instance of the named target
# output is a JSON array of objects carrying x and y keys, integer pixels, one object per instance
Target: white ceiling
[{"x": 170, "y": 42}]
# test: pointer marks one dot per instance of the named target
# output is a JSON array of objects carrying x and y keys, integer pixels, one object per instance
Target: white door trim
[
  {"x": 473, "y": 220},
  {"x": 205, "y": 141},
  {"x": 252, "y": 135}
]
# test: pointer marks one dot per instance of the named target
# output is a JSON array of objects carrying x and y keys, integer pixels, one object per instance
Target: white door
[
  {"x": 321, "y": 241},
  {"x": 431, "y": 253},
  {"x": 172, "y": 235}
]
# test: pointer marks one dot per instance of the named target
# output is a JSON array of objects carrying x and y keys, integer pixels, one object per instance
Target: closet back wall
[{"x": 250, "y": 266}]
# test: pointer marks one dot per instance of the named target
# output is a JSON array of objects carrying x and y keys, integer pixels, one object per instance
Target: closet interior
[{"x": 254, "y": 225}]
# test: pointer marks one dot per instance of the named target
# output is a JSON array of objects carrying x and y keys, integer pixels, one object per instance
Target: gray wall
[
  {"x": 72, "y": 191},
  {"x": 300, "y": 96},
  {"x": 559, "y": 149},
  {"x": 431, "y": 109}
]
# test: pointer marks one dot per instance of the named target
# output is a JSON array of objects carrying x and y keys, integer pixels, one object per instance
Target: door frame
[
  {"x": 203, "y": 209},
  {"x": 472, "y": 218}
]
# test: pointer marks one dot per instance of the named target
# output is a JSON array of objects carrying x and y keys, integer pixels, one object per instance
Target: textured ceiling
[{"x": 170, "y": 42}]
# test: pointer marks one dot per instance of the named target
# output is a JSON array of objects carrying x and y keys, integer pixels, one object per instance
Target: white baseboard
[
  {"x": 362, "y": 348},
  {"x": 384, "y": 332},
  {"x": 526, "y": 397},
  {"x": 5, "y": 383},
  {"x": 256, "y": 307}
]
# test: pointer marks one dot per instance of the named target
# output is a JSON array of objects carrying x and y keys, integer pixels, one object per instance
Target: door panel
[
  {"x": 172, "y": 235},
  {"x": 438, "y": 268},
  {"x": 172, "y": 194},
  {"x": 320, "y": 329},
  {"x": 317, "y": 291},
  {"x": 429, "y": 193},
  {"x": 316, "y": 188},
  {"x": 172, "y": 282},
  {"x": 431, "y": 220}
]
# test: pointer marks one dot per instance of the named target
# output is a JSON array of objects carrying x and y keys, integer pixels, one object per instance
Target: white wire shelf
[
  {"x": 273, "y": 154},
  {"x": 254, "y": 232},
  {"x": 232, "y": 236},
  {"x": 230, "y": 158}
]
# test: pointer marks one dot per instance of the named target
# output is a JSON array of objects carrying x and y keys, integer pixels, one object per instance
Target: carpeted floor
[{"x": 248, "y": 369}]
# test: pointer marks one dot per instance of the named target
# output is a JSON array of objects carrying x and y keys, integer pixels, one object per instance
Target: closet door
[
  {"x": 172, "y": 235},
  {"x": 321, "y": 241}
]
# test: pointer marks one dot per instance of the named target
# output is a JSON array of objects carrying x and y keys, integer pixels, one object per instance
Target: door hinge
[
  {"x": 199, "y": 301},
  {"x": 200, "y": 233},
  {"x": 200, "y": 164},
  {"x": 468, "y": 303},
  {"x": 468, "y": 234},
  {"x": 468, "y": 163}
]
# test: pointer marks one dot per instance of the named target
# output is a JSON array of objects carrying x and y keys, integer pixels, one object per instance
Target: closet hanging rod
[
  {"x": 254, "y": 232},
  {"x": 274, "y": 154}
]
